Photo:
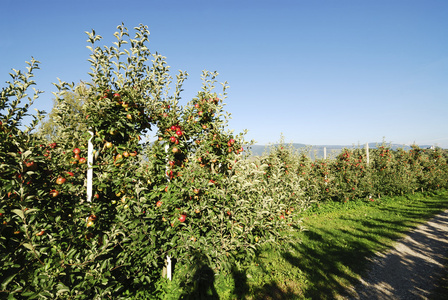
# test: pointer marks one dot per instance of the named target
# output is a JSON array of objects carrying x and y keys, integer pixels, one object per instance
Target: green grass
[{"x": 330, "y": 254}]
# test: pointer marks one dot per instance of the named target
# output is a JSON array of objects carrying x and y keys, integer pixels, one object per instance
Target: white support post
[
  {"x": 168, "y": 258},
  {"x": 368, "y": 161},
  {"x": 168, "y": 267},
  {"x": 90, "y": 167},
  {"x": 367, "y": 153},
  {"x": 167, "y": 168},
  {"x": 325, "y": 157}
]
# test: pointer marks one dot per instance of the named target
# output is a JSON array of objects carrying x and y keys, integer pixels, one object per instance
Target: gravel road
[{"x": 412, "y": 269}]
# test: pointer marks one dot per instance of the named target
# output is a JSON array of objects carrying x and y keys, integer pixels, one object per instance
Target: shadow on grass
[
  {"x": 330, "y": 258},
  {"x": 330, "y": 265},
  {"x": 333, "y": 259},
  {"x": 201, "y": 285}
]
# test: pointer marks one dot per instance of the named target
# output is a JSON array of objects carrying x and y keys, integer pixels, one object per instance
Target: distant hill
[{"x": 317, "y": 151}]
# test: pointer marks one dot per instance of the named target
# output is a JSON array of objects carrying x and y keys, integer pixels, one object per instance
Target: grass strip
[{"x": 332, "y": 251}]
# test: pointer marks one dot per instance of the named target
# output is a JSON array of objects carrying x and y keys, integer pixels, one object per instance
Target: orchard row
[{"x": 350, "y": 176}]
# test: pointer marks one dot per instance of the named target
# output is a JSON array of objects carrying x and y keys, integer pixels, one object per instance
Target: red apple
[
  {"x": 76, "y": 151},
  {"x": 159, "y": 203},
  {"x": 60, "y": 180},
  {"x": 31, "y": 165},
  {"x": 182, "y": 218}
]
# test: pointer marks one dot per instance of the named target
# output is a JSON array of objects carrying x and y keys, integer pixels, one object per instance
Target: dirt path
[{"x": 412, "y": 269}]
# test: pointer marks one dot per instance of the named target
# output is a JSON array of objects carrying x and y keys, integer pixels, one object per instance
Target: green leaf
[
  {"x": 28, "y": 294},
  {"x": 62, "y": 289},
  {"x": 11, "y": 297},
  {"x": 7, "y": 281},
  {"x": 18, "y": 212},
  {"x": 31, "y": 210},
  {"x": 28, "y": 246},
  {"x": 27, "y": 153},
  {"x": 12, "y": 154}
]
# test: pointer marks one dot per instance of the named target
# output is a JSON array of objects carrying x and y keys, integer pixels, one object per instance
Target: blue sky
[{"x": 320, "y": 72}]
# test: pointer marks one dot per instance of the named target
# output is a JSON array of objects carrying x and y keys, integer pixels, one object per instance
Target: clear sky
[{"x": 338, "y": 72}]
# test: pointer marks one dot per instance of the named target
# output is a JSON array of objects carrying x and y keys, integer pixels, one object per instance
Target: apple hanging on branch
[
  {"x": 60, "y": 180},
  {"x": 182, "y": 218}
]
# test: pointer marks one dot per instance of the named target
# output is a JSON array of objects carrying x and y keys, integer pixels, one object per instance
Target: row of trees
[
  {"x": 349, "y": 176},
  {"x": 193, "y": 194},
  {"x": 187, "y": 195}
]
